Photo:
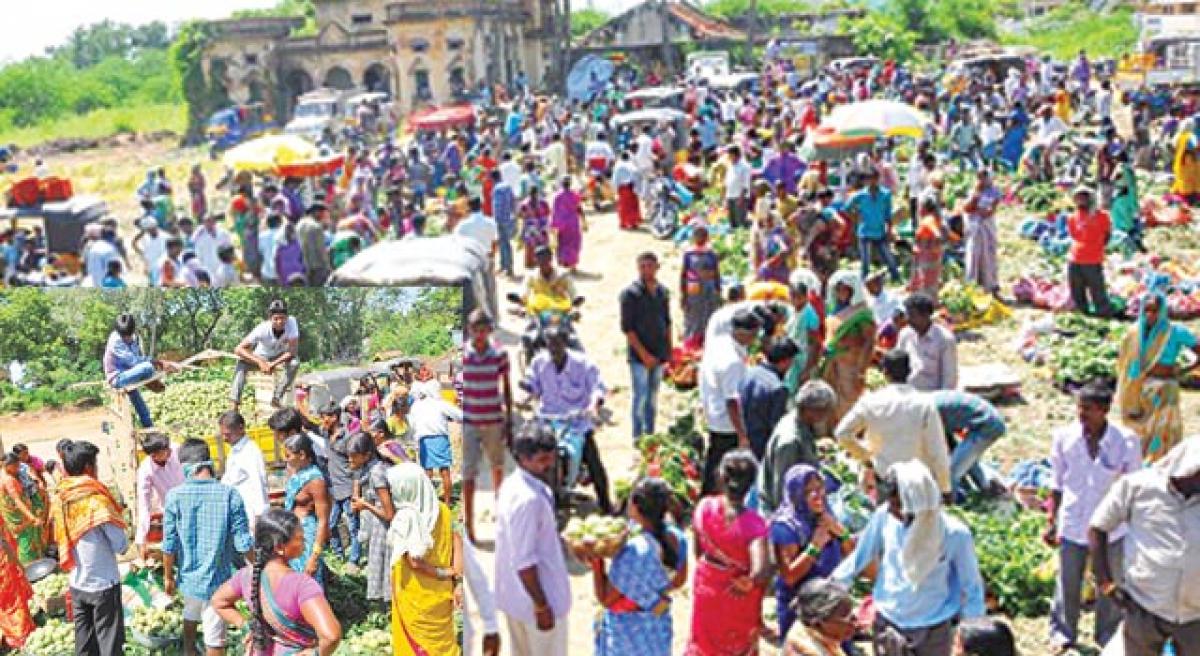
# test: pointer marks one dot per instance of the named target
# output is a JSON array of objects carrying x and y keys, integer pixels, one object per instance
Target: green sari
[
  {"x": 848, "y": 353},
  {"x": 31, "y": 541}
]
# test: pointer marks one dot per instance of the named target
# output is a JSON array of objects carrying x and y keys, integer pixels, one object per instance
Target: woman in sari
[
  {"x": 732, "y": 568},
  {"x": 850, "y": 344},
  {"x": 1148, "y": 377},
  {"x": 634, "y": 593},
  {"x": 535, "y": 225},
  {"x": 1013, "y": 142},
  {"x": 1187, "y": 162},
  {"x": 23, "y": 511},
  {"x": 568, "y": 224},
  {"x": 982, "y": 239},
  {"x": 1125, "y": 209},
  {"x": 426, "y": 561},
  {"x": 807, "y": 539},
  {"x": 289, "y": 612},
  {"x": 700, "y": 283},
  {"x": 16, "y": 623},
  {"x": 928, "y": 251},
  {"x": 307, "y": 496}
]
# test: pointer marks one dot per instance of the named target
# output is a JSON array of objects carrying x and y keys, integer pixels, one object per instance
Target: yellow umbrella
[
  {"x": 881, "y": 118},
  {"x": 267, "y": 153}
]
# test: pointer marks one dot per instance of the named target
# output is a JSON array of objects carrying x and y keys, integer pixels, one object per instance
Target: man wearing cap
[
  {"x": 1090, "y": 229},
  {"x": 310, "y": 230},
  {"x": 151, "y": 244},
  {"x": 722, "y": 368}
]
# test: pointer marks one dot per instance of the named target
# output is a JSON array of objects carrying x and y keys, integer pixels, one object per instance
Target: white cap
[{"x": 145, "y": 223}]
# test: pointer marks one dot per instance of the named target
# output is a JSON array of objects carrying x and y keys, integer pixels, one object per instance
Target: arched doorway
[
  {"x": 257, "y": 90},
  {"x": 378, "y": 78},
  {"x": 339, "y": 78},
  {"x": 297, "y": 83}
]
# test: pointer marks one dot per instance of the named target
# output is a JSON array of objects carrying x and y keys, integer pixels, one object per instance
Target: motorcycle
[
  {"x": 571, "y": 431},
  {"x": 665, "y": 206},
  {"x": 534, "y": 337}
]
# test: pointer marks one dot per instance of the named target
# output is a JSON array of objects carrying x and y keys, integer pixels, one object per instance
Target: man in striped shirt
[{"x": 487, "y": 409}]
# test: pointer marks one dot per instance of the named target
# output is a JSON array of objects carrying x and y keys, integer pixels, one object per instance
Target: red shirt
[{"x": 1089, "y": 235}]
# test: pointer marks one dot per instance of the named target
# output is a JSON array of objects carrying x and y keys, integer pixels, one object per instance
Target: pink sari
[{"x": 724, "y": 624}]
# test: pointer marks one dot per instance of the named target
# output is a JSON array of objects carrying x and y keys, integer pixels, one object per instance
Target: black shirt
[{"x": 649, "y": 317}]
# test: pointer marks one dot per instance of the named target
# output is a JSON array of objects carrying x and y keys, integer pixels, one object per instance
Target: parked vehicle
[{"x": 233, "y": 125}]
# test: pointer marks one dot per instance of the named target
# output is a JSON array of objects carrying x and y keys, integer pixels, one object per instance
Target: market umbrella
[
  {"x": 266, "y": 154},
  {"x": 827, "y": 144},
  {"x": 878, "y": 118},
  {"x": 311, "y": 168},
  {"x": 441, "y": 118}
]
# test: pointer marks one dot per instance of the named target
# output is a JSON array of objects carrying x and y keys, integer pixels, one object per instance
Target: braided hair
[
  {"x": 273, "y": 530},
  {"x": 652, "y": 497}
]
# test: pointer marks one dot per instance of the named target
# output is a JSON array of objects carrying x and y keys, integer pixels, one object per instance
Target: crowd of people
[{"x": 784, "y": 356}]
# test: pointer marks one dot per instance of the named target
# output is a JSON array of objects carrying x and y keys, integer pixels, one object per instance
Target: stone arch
[
  {"x": 339, "y": 78},
  {"x": 378, "y": 77},
  {"x": 296, "y": 83}
]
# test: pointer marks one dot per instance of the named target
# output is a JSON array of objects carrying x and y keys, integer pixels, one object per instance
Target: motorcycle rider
[
  {"x": 547, "y": 290},
  {"x": 565, "y": 382}
]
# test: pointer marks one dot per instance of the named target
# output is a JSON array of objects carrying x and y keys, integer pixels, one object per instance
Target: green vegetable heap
[
  {"x": 190, "y": 409},
  {"x": 55, "y": 638},
  {"x": 158, "y": 622}
]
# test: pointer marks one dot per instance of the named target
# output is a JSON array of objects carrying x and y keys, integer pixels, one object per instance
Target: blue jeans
[
  {"x": 506, "y": 230},
  {"x": 340, "y": 508},
  {"x": 139, "y": 373},
  {"x": 645, "y": 396},
  {"x": 880, "y": 246},
  {"x": 965, "y": 459}
]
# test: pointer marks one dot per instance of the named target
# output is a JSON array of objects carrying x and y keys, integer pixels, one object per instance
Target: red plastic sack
[
  {"x": 55, "y": 189},
  {"x": 24, "y": 193}
]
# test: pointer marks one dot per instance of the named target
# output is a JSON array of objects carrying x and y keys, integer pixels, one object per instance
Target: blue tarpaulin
[{"x": 588, "y": 77}]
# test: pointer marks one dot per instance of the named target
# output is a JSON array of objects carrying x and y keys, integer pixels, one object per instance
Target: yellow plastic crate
[{"x": 261, "y": 435}]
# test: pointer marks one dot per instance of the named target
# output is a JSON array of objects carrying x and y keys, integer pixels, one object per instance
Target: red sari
[
  {"x": 724, "y": 624},
  {"x": 629, "y": 210},
  {"x": 16, "y": 623}
]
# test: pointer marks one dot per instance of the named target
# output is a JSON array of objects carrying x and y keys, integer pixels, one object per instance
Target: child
[
  {"x": 112, "y": 277},
  {"x": 428, "y": 418},
  {"x": 372, "y": 500}
]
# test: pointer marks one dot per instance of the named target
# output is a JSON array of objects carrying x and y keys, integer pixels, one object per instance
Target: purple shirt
[
  {"x": 153, "y": 483},
  {"x": 785, "y": 167},
  {"x": 527, "y": 536},
  {"x": 1082, "y": 481},
  {"x": 289, "y": 260},
  {"x": 576, "y": 388}
]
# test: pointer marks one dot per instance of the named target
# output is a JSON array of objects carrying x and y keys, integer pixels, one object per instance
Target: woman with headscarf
[
  {"x": 850, "y": 344},
  {"x": 16, "y": 622},
  {"x": 1187, "y": 162},
  {"x": 928, "y": 574},
  {"x": 635, "y": 590},
  {"x": 1125, "y": 208},
  {"x": 826, "y": 613},
  {"x": 426, "y": 563},
  {"x": 1013, "y": 143},
  {"x": 22, "y": 509},
  {"x": 1148, "y": 376},
  {"x": 568, "y": 224},
  {"x": 804, "y": 325},
  {"x": 983, "y": 240},
  {"x": 699, "y": 283},
  {"x": 807, "y": 539}
]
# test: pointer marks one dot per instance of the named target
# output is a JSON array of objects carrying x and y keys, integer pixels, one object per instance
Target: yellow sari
[
  {"x": 1149, "y": 406},
  {"x": 1186, "y": 169},
  {"x": 423, "y": 607}
]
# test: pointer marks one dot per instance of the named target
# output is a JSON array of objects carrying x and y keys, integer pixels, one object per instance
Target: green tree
[
  {"x": 881, "y": 35},
  {"x": 731, "y": 9},
  {"x": 586, "y": 20}
]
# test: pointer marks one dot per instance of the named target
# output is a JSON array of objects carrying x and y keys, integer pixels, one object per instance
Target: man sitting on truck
[{"x": 272, "y": 344}]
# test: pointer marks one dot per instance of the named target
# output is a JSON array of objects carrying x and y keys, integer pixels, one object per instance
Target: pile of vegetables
[
  {"x": 52, "y": 587},
  {"x": 1086, "y": 350},
  {"x": 1012, "y": 556},
  {"x": 158, "y": 622},
  {"x": 368, "y": 643},
  {"x": 190, "y": 409},
  {"x": 55, "y": 638},
  {"x": 1039, "y": 197},
  {"x": 596, "y": 535},
  {"x": 733, "y": 250},
  {"x": 958, "y": 185},
  {"x": 673, "y": 459}
]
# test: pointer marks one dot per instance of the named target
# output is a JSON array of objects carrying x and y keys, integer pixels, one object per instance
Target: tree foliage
[
  {"x": 60, "y": 335},
  {"x": 1073, "y": 27},
  {"x": 881, "y": 35},
  {"x": 89, "y": 45},
  {"x": 586, "y": 20},
  {"x": 730, "y": 9}
]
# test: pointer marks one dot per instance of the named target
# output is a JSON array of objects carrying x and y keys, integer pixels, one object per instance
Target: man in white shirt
[
  {"x": 899, "y": 423},
  {"x": 1047, "y": 125},
  {"x": 737, "y": 187},
  {"x": 722, "y": 368},
  {"x": 555, "y": 156},
  {"x": 151, "y": 244},
  {"x": 268, "y": 243},
  {"x": 990, "y": 134},
  {"x": 245, "y": 468},
  {"x": 98, "y": 253},
  {"x": 644, "y": 154},
  {"x": 931, "y": 347},
  {"x": 207, "y": 242},
  {"x": 482, "y": 229},
  {"x": 272, "y": 344}
]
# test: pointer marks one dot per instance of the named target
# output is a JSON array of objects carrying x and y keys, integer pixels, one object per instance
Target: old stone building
[{"x": 421, "y": 51}]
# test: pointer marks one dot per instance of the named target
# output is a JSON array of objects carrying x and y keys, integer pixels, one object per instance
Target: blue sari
[
  {"x": 308, "y": 523},
  {"x": 1013, "y": 143},
  {"x": 638, "y": 573}
]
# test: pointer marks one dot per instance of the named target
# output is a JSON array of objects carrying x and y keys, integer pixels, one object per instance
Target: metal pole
[
  {"x": 751, "y": 28},
  {"x": 664, "y": 20}
]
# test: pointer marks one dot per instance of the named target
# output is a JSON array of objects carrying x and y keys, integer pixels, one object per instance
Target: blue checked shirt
[
  {"x": 961, "y": 410},
  {"x": 204, "y": 525}
]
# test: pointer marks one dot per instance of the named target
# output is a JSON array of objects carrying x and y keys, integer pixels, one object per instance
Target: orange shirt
[{"x": 1089, "y": 235}]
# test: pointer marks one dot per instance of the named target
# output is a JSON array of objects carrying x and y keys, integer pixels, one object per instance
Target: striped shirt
[{"x": 481, "y": 376}]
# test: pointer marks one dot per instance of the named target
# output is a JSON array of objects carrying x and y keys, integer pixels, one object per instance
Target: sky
[{"x": 43, "y": 23}]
